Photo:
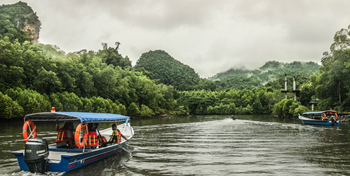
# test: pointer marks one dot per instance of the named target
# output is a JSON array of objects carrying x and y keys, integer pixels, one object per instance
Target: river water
[{"x": 209, "y": 145}]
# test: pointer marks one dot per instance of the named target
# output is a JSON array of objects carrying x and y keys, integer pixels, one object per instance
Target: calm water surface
[{"x": 208, "y": 145}]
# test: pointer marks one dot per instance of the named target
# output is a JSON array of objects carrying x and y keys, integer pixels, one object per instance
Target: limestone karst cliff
[{"x": 19, "y": 21}]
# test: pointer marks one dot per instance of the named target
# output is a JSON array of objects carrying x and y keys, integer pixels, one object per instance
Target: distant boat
[{"x": 326, "y": 118}]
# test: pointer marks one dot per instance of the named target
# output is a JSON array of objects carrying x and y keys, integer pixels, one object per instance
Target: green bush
[
  {"x": 133, "y": 109},
  {"x": 30, "y": 100},
  {"x": 146, "y": 111},
  {"x": 122, "y": 109},
  {"x": 9, "y": 108},
  {"x": 299, "y": 110}
]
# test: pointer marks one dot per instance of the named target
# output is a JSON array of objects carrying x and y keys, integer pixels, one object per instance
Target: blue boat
[
  {"x": 50, "y": 158},
  {"x": 326, "y": 118}
]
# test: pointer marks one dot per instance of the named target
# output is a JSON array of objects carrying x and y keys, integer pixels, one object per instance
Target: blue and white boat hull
[
  {"x": 309, "y": 121},
  {"x": 72, "y": 160}
]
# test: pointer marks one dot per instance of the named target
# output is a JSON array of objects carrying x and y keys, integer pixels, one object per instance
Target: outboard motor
[{"x": 36, "y": 155}]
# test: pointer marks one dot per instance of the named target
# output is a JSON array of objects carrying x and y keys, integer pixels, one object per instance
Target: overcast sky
[{"x": 210, "y": 36}]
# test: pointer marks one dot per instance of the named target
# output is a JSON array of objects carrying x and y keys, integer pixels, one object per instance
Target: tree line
[
  {"x": 37, "y": 76},
  {"x": 75, "y": 81}
]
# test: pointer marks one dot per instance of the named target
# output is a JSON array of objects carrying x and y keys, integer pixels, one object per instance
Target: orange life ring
[
  {"x": 32, "y": 130},
  {"x": 336, "y": 116},
  {"x": 324, "y": 116},
  {"x": 77, "y": 136}
]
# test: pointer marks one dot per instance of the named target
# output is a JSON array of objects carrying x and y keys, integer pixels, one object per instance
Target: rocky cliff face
[{"x": 31, "y": 30}]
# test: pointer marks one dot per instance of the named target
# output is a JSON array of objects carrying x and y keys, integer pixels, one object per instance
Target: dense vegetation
[
  {"x": 14, "y": 21},
  {"x": 169, "y": 71},
  {"x": 34, "y": 77},
  {"x": 240, "y": 79},
  {"x": 331, "y": 84}
]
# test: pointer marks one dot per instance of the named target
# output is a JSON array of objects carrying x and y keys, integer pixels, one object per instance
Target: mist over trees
[{"x": 240, "y": 79}]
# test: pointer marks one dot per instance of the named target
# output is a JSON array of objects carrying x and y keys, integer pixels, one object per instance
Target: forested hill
[
  {"x": 240, "y": 79},
  {"x": 168, "y": 70},
  {"x": 18, "y": 21}
]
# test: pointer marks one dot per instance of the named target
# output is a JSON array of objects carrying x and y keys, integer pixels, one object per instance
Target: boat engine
[{"x": 36, "y": 155}]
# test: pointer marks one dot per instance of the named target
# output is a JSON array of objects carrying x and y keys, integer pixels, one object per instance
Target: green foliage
[
  {"x": 277, "y": 108},
  {"x": 111, "y": 57},
  {"x": 104, "y": 105},
  {"x": 70, "y": 102},
  {"x": 257, "y": 107},
  {"x": 16, "y": 20},
  {"x": 331, "y": 83},
  {"x": 248, "y": 109},
  {"x": 219, "y": 109},
  {"x": 286, "y": 106},
  {"x": 133, "y": 110},
  {"x": 9, "y": 108},
  {"x": 168, "y": 70},
  {"x": 30, "y": 100},
  {"x": 47, "y": 81},
  {"x": 256, "y": 101},
  {"x": 289, "y": 108},
  {"x": 77, "y": 81},
  {"x": 299, "y": 110},
  {"x": 240, "y": 79},
  {"x": 306, "y": 93},
  {"x": 146, "y": 111},
  {"x": 66, "y": 102},
  {"x": 122, "y": 109}
]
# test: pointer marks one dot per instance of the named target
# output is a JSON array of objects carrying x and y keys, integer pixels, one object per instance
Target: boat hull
[
  {"x": 70, "y": 161},
  {"x": 308, "y": 121}
]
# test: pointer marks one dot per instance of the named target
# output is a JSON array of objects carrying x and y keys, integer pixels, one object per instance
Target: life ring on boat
[
  {"x": 336, "y": 116},
  {"x": 32, "y": 130},
  {"x": 324, "y": 116},
  {"x": 77, "y": 136}
]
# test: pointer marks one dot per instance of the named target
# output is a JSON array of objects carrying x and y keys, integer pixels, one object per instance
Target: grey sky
[{"x": 210, "y": 36}]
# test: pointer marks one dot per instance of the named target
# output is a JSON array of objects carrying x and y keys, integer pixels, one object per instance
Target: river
[{"x": 208, "y": 145}]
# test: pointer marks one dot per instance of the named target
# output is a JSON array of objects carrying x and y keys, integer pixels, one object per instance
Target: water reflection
[{"x": 113, "y": 165}]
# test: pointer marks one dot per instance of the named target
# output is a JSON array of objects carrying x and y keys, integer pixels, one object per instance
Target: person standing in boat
[
  {"x": 65, "y": 135},
  {"x": 116, "y": 135}
]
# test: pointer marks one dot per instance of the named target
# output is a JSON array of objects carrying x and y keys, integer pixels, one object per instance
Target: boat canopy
[
  {"x": 82, "y": 116},
  {"x": 320, "y": 112}
]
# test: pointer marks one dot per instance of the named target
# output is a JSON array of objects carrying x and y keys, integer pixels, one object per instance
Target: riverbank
[{"x": 344, "y": 118}]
